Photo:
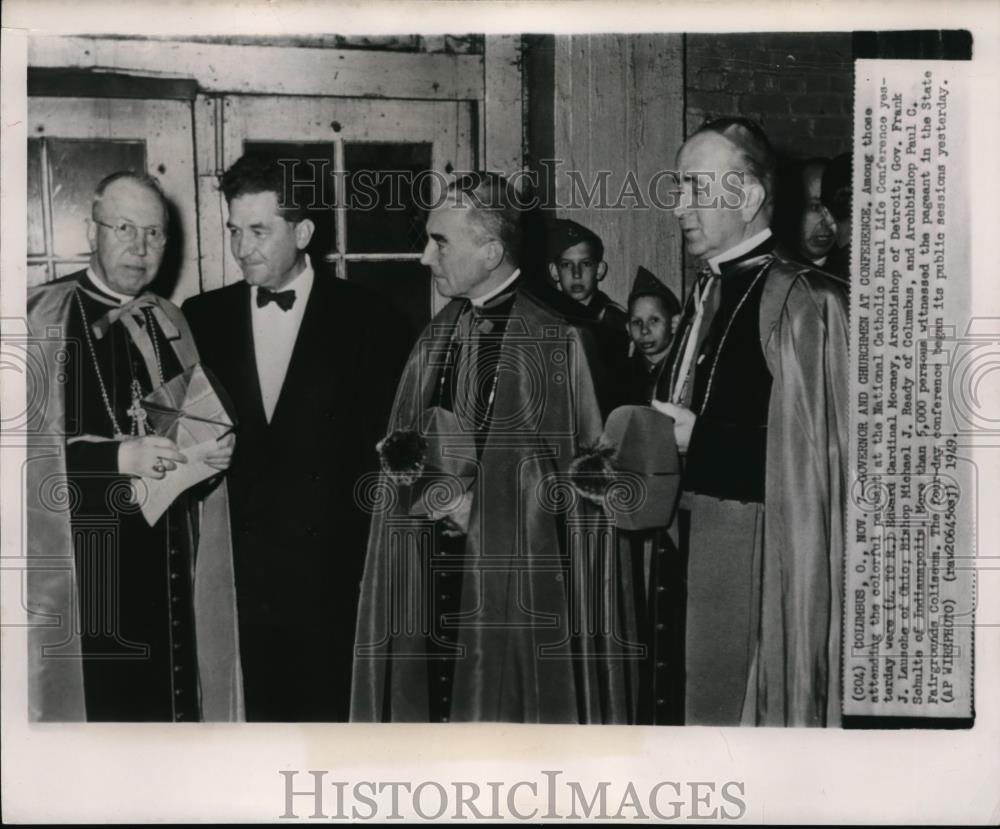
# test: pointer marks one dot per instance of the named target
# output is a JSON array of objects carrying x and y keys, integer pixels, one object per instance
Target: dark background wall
[{"x": 799, "y": 86}]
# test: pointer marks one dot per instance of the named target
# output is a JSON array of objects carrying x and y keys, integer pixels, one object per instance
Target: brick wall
[{"x": 799, "y": 86}]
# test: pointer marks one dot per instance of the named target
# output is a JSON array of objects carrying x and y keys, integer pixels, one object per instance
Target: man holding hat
[
  {"x": 476, "y": 582},
  {"x": 758, "y": 393}
]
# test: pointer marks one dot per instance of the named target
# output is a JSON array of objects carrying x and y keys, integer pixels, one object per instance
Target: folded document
[{"x": 190, "y": 410}]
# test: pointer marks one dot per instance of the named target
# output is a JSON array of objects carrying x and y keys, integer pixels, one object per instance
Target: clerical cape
[
  {"x": 795, "y": 672},
  {"x": 766, "y": 480},
  {"x": 545, "y": 630},
  {"x": 84, "y": 519}
]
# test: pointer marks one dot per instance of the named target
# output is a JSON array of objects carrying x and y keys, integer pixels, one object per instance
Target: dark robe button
[
  {"x": 659, "y": 626},
  {"x": 444, "y": 719},
  {"x": 660, "y": 701},
  {"x": 445, "y": 597},
  {"x": 442, "y": 678},
  {"x": 180, "y": 717},
  {"x": 660, "y": 588},
  {"x": 660, "y": 666},
  {"x": 173, "y": 575},
  {"x": 176, "y": 623},
  {"x": 173, "y": 551}
]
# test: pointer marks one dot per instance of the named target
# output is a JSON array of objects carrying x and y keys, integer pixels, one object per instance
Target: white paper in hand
[
  {"x": 188, "y": 409},
  {"x": 156, "y": 496}
]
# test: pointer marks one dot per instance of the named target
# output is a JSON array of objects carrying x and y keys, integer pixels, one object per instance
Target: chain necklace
[
  {"x": 685, "y": 351},
  {"x": 451, "y": 363},
  {"x": 450, "y": 369},
  {"x": 725, "y": 334},
  {"x": 136, "y": 413},
  {"x": 156, "y": 347}
]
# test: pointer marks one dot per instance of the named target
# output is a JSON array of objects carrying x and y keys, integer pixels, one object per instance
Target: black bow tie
[{"x": 284, "y": 299}]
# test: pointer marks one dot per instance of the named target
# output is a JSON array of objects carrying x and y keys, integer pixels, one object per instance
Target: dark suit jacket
[{"x": 299, "y": 533}]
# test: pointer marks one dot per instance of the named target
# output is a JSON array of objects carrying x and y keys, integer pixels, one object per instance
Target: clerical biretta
[
  {"x": 480, "y": 582},
  {"x": 128, "y": 621}
]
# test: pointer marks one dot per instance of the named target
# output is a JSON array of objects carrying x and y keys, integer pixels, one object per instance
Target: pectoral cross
[{"x": 136, "y": 411}]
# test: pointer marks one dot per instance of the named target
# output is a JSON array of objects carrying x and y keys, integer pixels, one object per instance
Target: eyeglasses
[{"x": 127, "y": 233}]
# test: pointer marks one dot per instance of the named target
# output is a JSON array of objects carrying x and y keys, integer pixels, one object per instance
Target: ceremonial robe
[
  {"x": 127, "y": 621},
  {"x": 762, "y": 517},
  {"x": 661, "y": 591},
  {"x": 537, "y": 568}
]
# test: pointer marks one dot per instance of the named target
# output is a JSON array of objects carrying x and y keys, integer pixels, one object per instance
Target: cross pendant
[{"x": 137, "y": 413}]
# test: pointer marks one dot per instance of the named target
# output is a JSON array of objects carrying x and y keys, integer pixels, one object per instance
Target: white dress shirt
[{"x": 274, "y": 335}]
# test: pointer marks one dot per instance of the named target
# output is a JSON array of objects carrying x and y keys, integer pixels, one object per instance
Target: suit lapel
[
  {"x": 245, "y": 361},
  {"x": 315, "y": 358}
]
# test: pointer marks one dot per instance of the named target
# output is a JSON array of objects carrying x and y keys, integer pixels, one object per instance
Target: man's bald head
[
  {"x": 751, "y": 147},
  {"x": 130, "y": 180}
]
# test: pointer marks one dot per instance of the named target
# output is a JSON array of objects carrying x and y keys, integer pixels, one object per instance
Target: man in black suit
[{"x": 311, "y": 364}]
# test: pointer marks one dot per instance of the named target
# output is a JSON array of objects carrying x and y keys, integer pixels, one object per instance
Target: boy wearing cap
[
  {"x": 653, "y": 314},
  {"x": 576, "y": 264}
]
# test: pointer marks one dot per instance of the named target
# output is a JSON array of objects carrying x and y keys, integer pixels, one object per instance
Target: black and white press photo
[{"x": 490, "y": 387}]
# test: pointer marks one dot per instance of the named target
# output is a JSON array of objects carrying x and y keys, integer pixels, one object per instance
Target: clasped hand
[
  {"x": 455, "y": 516},
  {"x": 153, "y": 457}
]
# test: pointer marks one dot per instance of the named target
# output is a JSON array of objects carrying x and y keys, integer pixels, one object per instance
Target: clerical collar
[
  {"x": 102, "y": 287},
  {"x": 737, "y": 251},
  {"x": 301, "y": 283},
  {"x": 480, "y": 301}
]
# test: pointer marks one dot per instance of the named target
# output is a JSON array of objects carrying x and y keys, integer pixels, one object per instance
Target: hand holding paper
[
  {"x": 222, "y": 456},
  {"x": 189, "y": 411},
  {"x": 148, "y": 457}
]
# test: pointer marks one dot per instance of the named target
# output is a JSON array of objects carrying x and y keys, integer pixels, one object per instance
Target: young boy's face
[
  {"x": 649, "y": 325},
  {"x": 578, "y": 272}
]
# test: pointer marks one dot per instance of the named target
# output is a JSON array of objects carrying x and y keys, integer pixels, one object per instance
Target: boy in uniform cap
[
  {"x": 835, "y": 193},
  {"x": 653, "y": 314},
  {"x": 576, "y": 264}
]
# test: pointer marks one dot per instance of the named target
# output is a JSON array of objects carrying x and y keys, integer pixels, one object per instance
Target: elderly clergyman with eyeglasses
[{"x": 127, "y": 621}]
